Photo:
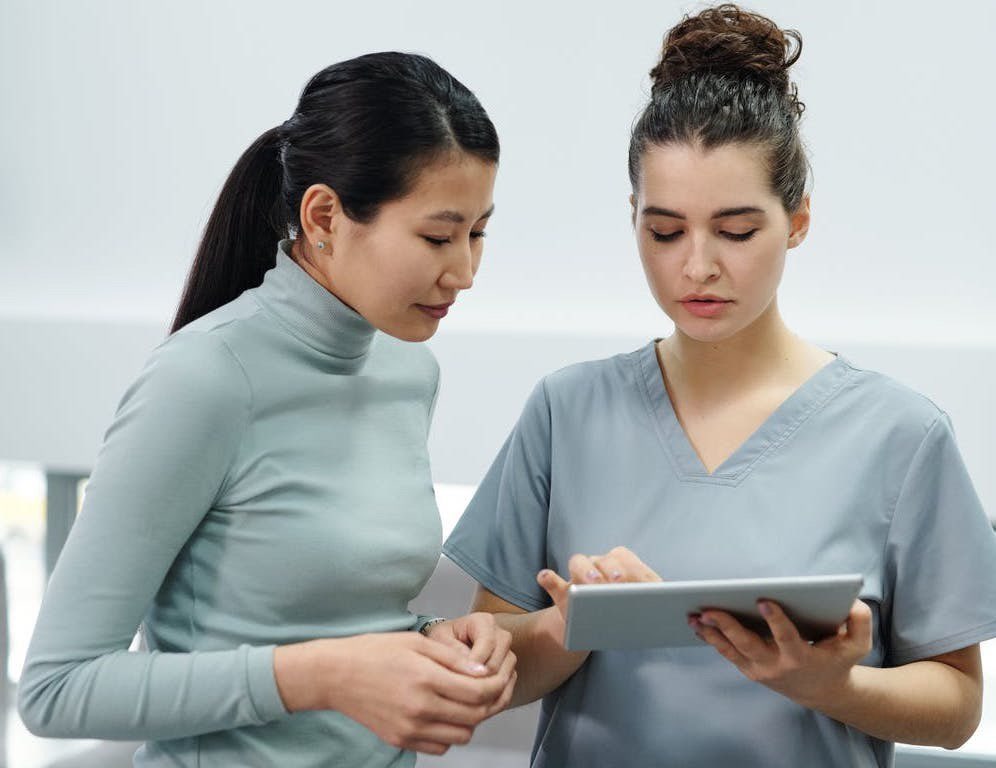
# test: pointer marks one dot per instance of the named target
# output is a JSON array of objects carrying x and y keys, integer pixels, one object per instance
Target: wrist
[
  {"x": 307, "y": 674},
  {"x": 833, "y": 697},
  {"x": 550, "y": 625}
]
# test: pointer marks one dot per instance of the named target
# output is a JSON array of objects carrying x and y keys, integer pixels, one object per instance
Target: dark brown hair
[
  {"x": 366, "y": 127},
  {"x": 722, "y": 79}
]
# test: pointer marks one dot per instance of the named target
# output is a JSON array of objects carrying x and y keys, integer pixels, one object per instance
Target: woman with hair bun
[
  {"x": 734, "y": 449},
  {"x": 262, "y": 505}
]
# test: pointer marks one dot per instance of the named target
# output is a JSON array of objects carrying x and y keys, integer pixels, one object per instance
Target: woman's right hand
[
  {"x": 413, "y": 692},
  {"x": 617, "y": 566}
]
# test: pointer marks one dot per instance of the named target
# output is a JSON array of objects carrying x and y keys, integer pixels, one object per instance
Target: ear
[
  {"x": 799, "y": 224},
  {"x": 632, "y": 205},
  {"x": 320, "y": 212}
]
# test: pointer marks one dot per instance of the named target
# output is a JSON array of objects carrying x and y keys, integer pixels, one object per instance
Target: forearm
[
  {"x": 543, "y": 663},
  {"x": 925, "y": 702},
  {"x": 122, "y": 695}
]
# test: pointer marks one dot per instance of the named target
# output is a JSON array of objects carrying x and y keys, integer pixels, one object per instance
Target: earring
[{"x": 321, "y": 245}]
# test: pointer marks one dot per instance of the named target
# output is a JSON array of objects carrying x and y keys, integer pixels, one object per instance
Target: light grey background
[{"x": 120, "y": 120}]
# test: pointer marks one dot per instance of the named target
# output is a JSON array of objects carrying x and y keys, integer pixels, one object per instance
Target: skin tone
[
  {"x": 401, "y": 271},
  {"x": 713, "y": 237}
]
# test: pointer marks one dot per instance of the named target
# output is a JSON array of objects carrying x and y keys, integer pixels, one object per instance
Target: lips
[
  {"x": 437, "y": 311},
  {"x": 705, "y": 305}
]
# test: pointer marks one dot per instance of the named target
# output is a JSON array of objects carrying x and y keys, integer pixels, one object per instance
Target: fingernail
[
  {"x": 476, "y": 669},
  {"x": 764, "y": 607},
  {"x": 544, "y": 573},
  {"x": 593, "y": 576},
  {"x": 708, "y": 621},
  {"x": 615, "y": 575}
]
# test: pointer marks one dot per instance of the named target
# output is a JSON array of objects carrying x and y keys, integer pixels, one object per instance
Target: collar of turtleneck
[{"x": 311, "y": 313}]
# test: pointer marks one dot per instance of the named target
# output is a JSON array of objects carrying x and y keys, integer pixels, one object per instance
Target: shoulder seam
[
  {"x": 250, "y": 408},
  {"x": 894, "y": 382},
  {"x": 906, "y": 478},
  {"x": 594, "y": 362}
]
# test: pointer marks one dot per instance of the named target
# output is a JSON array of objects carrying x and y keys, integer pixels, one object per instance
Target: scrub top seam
[
  {"x": 905, "y": 482},
  {"x": 735, "y": 479},
  {"x": 945, "y": 644},
  {"x": 797, "y": 424},
  {"x": 902, "y": 658},
  {"x": 491, "y": 581},
  {"x": 642, "y": 377}
]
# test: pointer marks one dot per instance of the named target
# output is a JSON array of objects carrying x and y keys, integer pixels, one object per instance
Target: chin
[
  {"x": 706, "y": 333},
  {"x": 414, "y": 333}
]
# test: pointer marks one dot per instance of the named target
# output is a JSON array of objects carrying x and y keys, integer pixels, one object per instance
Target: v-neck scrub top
[
  {"x": 853, "y": 473},
  {"x": 265, "y": 481}
]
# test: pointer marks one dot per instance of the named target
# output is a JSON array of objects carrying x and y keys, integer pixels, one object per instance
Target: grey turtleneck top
[{"x": 265, "y": 481}]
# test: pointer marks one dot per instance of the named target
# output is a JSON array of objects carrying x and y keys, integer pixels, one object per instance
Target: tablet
[{"x": 655, "y": 614}]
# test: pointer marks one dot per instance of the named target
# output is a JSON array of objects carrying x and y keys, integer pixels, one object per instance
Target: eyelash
[
  {"x": 443, "y": 241},
  {"x": 734, "y": 236}
]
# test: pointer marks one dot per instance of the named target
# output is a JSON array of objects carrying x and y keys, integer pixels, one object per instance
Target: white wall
[
  {"x": 120, "y": 119},
  {"x": 68, "y": 377}
]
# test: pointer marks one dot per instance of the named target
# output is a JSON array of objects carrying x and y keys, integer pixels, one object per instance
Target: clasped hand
[
  {"x": 414, "y": 692},
  {"x": 471, "y": 678},
  {"x": 808, "y": 673}
]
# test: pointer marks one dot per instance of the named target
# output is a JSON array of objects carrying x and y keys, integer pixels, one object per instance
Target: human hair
[
  {"x": 365, "y": 127},
  {"x": 723, "y": 79}
]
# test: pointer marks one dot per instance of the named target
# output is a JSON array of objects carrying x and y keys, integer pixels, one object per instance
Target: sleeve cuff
[{"x": 263, "y": 684}]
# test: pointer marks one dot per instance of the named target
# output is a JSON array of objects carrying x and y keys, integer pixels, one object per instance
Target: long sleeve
[{"x": 163, "y": 465}]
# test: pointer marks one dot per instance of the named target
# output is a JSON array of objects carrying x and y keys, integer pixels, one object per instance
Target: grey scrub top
[{"x": 853, "y": 473}]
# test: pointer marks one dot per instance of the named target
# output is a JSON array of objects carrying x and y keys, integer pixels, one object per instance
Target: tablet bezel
[{"x": 655, "y": 614}]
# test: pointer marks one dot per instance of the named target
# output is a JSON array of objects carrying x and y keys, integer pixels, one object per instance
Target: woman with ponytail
[
  {"x": 734, "y": 449},
  {"x": 262, "y": 504}
]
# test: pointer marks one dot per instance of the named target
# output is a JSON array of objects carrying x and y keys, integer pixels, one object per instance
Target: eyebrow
[
  {"x": 456, "y": 217},
  {"x": 653, "y": 210}
]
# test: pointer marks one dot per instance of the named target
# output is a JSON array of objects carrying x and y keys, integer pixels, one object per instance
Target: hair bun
[{"x": 728, "y": 39}]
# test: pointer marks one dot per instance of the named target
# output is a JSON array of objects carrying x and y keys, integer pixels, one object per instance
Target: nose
[
  {"x": 460, "y": 270},
  {"x": 701, "y": 264}
]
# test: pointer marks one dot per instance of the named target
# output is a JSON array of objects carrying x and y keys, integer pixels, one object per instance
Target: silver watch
[{"x": 424, "y": 629}]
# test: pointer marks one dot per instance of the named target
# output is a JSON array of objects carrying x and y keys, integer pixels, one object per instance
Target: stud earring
[{"x": 321, "y": 245}]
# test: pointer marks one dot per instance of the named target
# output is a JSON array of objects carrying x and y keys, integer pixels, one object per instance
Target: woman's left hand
[
  {"x": 480, "y": 635},
  {"x": 808, "y": 673}
]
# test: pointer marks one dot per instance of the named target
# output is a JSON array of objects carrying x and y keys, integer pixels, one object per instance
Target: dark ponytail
[
  {"x": 722, "y": 79},
  {"x": 365, "y": 127},
  {"x": 240, "y": 240}
]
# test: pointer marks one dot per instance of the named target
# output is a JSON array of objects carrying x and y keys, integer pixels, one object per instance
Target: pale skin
[
  {"x": 713, "y": 239},
  {"x": 398, "y": 271}
]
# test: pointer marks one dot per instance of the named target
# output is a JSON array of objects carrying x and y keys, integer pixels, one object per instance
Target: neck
[
  {"x": 303, "y": 255},
  {"x": 300, "y": 251},
  {"x": 762, "y": 353}
]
